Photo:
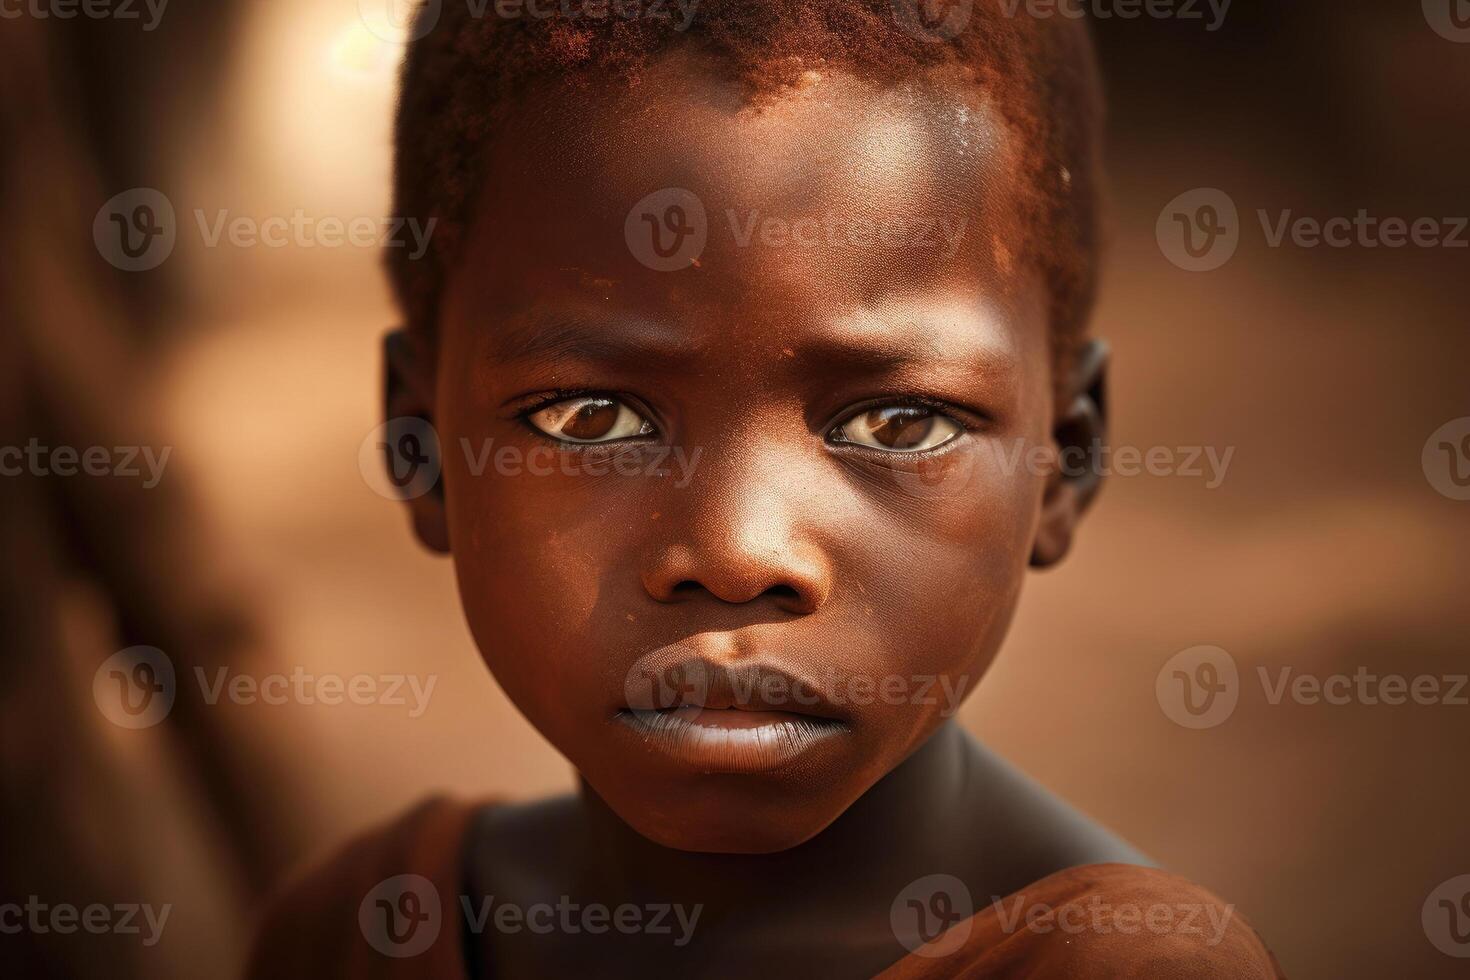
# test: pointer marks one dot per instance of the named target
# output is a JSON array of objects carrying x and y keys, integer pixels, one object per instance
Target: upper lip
[{"x": 679, "y": 677}]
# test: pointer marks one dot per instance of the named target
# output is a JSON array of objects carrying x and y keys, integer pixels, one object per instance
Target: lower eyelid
[
  {"x": 876, "y": 453},
  {"x": 961, "y": 427}
]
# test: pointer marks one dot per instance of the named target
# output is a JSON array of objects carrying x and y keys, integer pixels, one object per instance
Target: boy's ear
[
  {"x": 1080, "y": 434},
  {"x": 408, "y": 408}
]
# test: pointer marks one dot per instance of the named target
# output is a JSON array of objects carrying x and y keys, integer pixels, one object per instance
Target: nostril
[{"x": 689, "y": 587}]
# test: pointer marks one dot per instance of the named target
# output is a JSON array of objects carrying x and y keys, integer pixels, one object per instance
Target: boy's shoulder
[
  {"x": 1061, "y": 895},
  {"x": 383, "y": 905},
  {"x": 1099, "y": 921}
]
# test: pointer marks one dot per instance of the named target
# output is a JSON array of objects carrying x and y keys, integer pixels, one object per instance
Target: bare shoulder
[
  {"x": 1100, "y": 921},
  {"x": 1120, "y": 919},
  {"x": 353, "y": 911}
]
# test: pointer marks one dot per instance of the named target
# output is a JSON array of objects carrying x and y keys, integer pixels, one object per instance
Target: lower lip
[{"x": 731, "y": 740}]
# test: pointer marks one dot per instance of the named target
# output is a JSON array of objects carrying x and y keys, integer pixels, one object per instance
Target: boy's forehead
[
  {"x": 858, "y": 191},
  {"x": 831, "y": 141}
]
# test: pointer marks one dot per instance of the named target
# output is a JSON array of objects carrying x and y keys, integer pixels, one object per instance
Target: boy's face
[{"x": 743, "y": 533}]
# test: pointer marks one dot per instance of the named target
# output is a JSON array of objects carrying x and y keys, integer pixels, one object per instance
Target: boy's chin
[
  {"x": 724, "y": 823},
  {"x": 732, "y": 836}
]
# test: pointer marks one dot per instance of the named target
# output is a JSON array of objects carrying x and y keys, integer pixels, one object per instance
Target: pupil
[
  {"x": 901, "y": 428},
  {"x": 593, "y": 420}
]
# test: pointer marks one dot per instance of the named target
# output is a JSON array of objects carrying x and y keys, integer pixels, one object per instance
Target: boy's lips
[
  {"x": 731, "y": 739},
  {"x": 747, "y": 716},
  {"x": 671, "y": 678}
]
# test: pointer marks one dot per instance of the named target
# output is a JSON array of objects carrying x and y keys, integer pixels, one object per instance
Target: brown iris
[
  {"x": 592, "y": 420},
  {"x": 900, "y": 427}
]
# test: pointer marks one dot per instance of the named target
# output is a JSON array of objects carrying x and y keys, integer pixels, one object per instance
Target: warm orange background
[{"x": 1326, "y": 549}]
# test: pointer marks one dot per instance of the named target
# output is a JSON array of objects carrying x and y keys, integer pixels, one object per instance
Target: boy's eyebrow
[
  {"x": 556, "y": 336},
  {"x": 870, "y": 342}
]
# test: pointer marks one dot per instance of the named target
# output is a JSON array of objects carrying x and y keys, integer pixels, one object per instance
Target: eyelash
[{"x": 964, "y": 419}]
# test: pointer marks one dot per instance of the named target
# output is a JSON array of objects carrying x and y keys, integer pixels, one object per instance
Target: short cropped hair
[{"x": 461, "y": 76}]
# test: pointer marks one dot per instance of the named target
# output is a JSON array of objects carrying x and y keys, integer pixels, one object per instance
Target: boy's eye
[
  {"x": 594, "y": 418},
  {"x": 898, "y": 429}
]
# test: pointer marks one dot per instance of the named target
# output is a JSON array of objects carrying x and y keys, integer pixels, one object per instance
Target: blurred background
[{"x": 1328, "y": 548}]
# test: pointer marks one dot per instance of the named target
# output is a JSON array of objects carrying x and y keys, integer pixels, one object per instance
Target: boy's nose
[{"x": 739, "y": 540}]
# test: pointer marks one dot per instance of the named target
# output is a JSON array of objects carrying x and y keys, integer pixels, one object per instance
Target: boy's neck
[{"x": 922, "y": 818}]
